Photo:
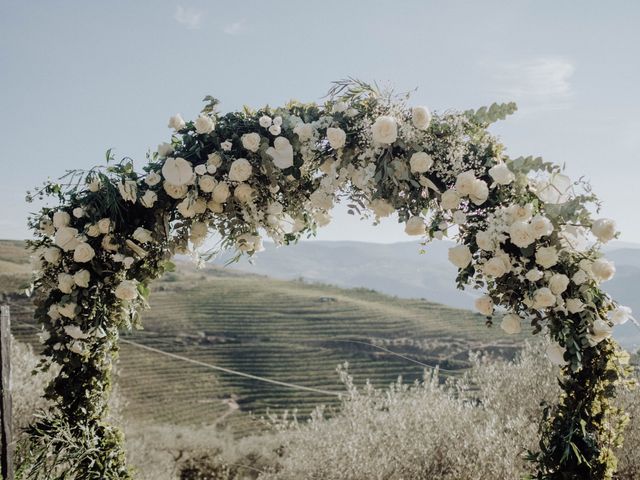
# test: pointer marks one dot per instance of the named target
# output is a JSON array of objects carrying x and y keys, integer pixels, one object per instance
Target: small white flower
[
  {"x": 152, "y": 178},
  {"x": 501, "y": 174},
  {"x": 546, "y": 257},
  {"x": 164, "y": 150},
  {"x": 385, "y": 130},
  {"x": 240, "y": 170},
  {"x": 281, "y": 153},
  {"x": 61, "y": 219},
  {"x": 511, "y": 324},
  {"x": 226, "y": 145},
  {"x": 148, "y": 199},
  {"x": 603, "y": 270},
  {"x": 275, "y": 130},
  {"x": 415, "y": 226},
  {"x": 127, "y": 290},
  {"x": 420, "y": 117},
  {"x": 265, "y": 121},
  {"x": 450, "y": 200},
  {"x": 420, "y": 162},
  {"x": 604, "y": 229},
  {"x": 176, "y": 122},
  {"x": 78, "y": 212},
  {"x": 337, "y": 137},
  {"x": 251, "y": 141},
  {"x": 277, "y": 121},
  {"x": 534, "y": 275},
  {"x": 83, "y": 253},
  {"x": 484, "y": 305},
  {"x": 200, "y": 169},
  {"x": 460, "y": 256},
  {"x": 214, "y": 160},
  {"x": 558, "y": 283},
  {"x": 178, "y": 171},
  {"x": 204, "y": 124},
  {"x": 243, "y": 193}
]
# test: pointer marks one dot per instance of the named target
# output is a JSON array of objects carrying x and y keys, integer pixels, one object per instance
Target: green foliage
[{"x": 493, "y": 113}]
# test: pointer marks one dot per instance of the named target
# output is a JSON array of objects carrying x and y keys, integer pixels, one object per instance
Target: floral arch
[{"x": 278, "y": 171}]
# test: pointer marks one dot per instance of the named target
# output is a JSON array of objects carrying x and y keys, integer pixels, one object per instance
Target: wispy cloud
[
  {"x": 542, "y": 83},
  {"x": 189, "y": 17},
  {"x": 235, "y": 28}
]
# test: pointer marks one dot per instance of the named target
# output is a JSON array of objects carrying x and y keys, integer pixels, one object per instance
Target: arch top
[{"x": 524, "y": 230}]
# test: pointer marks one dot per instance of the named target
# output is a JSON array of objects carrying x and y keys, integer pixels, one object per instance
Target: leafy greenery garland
[{"x": 115, "y": 230}]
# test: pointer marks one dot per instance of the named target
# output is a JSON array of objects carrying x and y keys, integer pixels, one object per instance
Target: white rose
[
  {"x": 200, "y": 169},
  {"x": 465, "y": 182},
  {"x": 450, "y": 200},
  {"x": 501, "y": 174},
  {"x": 186, "y": 208},
  {"x": 65, "y": 282},
  {"x": 52, "y": 255},
  {"x": 574, "y": 305},
  {"x": 275, "y": 130},
  {"x": 604, "y": 229},
  {"x": 543, "y": 298},
  {"x": 78, "y": 212},
  {"x": 381, "y": 208},
  {"x": 337, "y": 137},
  {"x": 304, "y": 131},
  {"x": 541, "y": 226},
  {"x": 226, "y": 145},
  {"x": 92, "y": 230},
  {"x": 67, "y": 238},
  {"x": 277, "y": 120},
  {"x": 176, "y": 122},
  {"x": 460, "y": 256},
  {"x": 240, "y": 170},
  {"x": 534, "y": 275},
  {"x": 204, "y": 125},
  {"x": 214, "y": 206},
  {"x": 420, "y": 162},
  {"x": 281, "y": 153},
  {"x": 108, "y": 244},
  {"x": 265, "y": 121},
  {"x": 152, "y": 178},
  {"x": 75, "y": 332},
  {"x": 484, "y": 305},
  {"x": 178, "y": 171},
  {"x": 546, "y": 257},
  {"x": 165, "y": 149},
  {"x": 83, "y": 253},
  {"x": 68, "y": 310},
  {"x": 420, "y": 117},
  {"x": 603, "y": 270},
  {"x": 558, "y": 283},
  {"x": 620, "y": 315},
  {"x": 520, "y": 212},
  {"x": 484, "y": 241},
  {"x": 214, "y": 160},
  {"x": 415, "y": 226},
  {"x": 479, "y": 192},
  {"x": 251, "y": 141},
  {"x": 104, "y": 225},
  {"x": 142, "y": 235},
  {"x": 521, "y": 235},
  {"x": 61, "y": 219},
  {"x": 495, "y": 267},
  {"x": 207, "y": 183},
  {"x": 601, "y": 330},
  {"x": 175, "y": 191},
  {"x": 243, "y": 192},
  {"x": 459, "y": 217},
  {"x": 220, "y": 192},
  {"x": 81, "y": 278},
  {"x": 555, "y": 354},
  {"x": 148, "y": 199},
  {"x": 385, "y": 130},
  {"x": 511, "y": 324},
  {"x": 128, "y": 190},
  {"x": 127, "y": 290}
]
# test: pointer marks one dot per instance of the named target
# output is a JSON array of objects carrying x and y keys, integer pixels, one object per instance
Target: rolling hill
[{"x": 288, "y": 331}]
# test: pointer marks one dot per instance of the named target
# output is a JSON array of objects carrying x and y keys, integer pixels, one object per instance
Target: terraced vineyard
[{"x": 286, "y": 331}]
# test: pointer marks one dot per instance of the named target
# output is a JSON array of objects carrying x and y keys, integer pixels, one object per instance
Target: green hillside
[{"x": 283, "y": 330}]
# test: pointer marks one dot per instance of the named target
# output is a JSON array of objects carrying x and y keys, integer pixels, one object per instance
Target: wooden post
[{"x": 6, "y": 438}]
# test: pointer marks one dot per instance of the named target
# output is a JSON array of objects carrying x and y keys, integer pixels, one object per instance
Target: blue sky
[{"x": 78, "y": 77}]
